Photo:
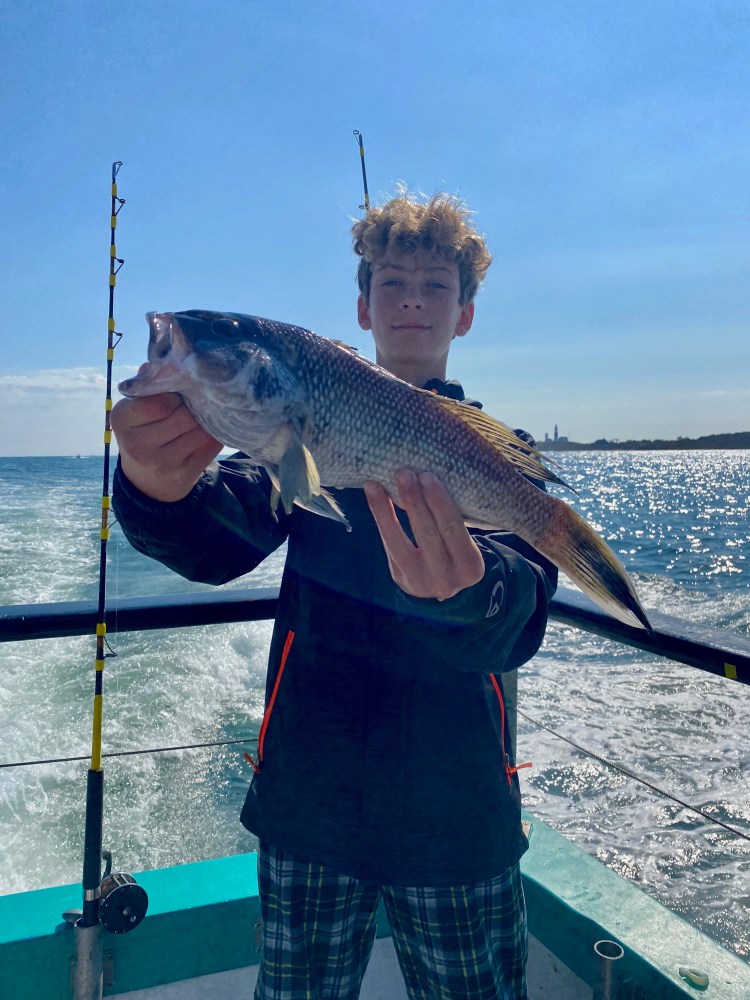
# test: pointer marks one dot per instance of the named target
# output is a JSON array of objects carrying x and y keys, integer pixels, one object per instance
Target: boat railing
[{"x": 718, "y": 651}]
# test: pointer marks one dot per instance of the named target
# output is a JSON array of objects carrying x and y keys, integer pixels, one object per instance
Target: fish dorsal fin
[
  {"x": 346, "y": 347},
  {"x": 525, "y": 457},
  {"x": 354, "y": 352}
]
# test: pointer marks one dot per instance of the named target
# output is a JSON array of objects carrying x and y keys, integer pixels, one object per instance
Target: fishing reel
[{"x": 123, "y": 903}]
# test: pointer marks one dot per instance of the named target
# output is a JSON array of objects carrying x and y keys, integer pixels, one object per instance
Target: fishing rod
[
  {"x": 360, "y": 142},
  {"x": 112, "y": 902}
]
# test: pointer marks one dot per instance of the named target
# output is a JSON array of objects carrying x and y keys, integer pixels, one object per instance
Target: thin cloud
[
  {"x": 54, "y": 411},
  {"x": 55, "y": 381}
]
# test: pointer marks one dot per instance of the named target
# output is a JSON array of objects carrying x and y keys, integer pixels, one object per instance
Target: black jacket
[{"x": 382, "y": 755}]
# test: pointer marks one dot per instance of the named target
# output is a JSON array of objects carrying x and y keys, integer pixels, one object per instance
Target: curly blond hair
[{"x": 440, "y": 225}]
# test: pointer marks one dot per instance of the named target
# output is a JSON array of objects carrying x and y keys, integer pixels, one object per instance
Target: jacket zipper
[
  {"x": 267, "y": 714},
  {"x": 509, "y": 769}
]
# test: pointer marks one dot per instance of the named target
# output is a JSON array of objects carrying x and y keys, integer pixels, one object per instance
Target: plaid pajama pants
[{"x": 463, "y": 942}]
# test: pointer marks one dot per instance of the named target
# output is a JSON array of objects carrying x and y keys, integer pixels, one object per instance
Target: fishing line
[
  {"x": 635, "y": 777},
  {"x": 131, "y": 753},
  {"x": 524, "y": 715}
]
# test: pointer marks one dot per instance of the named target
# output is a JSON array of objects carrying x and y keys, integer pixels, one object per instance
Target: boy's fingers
[
  {"x": 449, "y": 557},
  {"x": 191, "y": 442},
  {"x": 436, "y": 520},
  {"x": 396, "y": 544},
  {"x": 180, "y": 422},
  {"x": 445, "y": 559},
  {"x": 142, "y": 410},
  {"x": 412, "y": 497},
  {"x": 405, "y": 561},
  {"x": 462, "y": 550},
  {"x": 154, "y": 421},
  {"x": 163, "y": 450},
  {"x": 434, "y": 557}
]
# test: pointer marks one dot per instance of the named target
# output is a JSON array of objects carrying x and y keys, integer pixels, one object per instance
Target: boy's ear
[
  {"x": 363, "y": 314},
  {"x": 465, "y": 319}
]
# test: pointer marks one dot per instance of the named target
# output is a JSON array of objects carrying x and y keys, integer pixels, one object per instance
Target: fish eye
[{"x": 226, "y": 327}]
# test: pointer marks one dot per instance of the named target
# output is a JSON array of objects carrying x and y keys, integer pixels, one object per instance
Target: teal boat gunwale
[{"x": 203, "y": 916}]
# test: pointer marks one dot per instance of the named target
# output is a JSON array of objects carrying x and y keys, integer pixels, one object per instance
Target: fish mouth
[
  {"x": 160, "y": 331},
  {"x": 166, "y": 339},
  {"x": 164, "y": 371}
]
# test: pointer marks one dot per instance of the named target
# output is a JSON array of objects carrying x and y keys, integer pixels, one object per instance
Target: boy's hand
[
  {"x": 445, "y": 559},
  {"x": 163, "y": 450}
]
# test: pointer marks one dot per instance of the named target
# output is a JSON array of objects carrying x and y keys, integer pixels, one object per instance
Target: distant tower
[{"x": 555, "y": 432}]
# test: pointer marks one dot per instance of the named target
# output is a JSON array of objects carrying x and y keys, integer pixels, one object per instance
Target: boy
[{"x": 384, "y": 764}]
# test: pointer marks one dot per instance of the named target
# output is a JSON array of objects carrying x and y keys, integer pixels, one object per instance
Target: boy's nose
[{"x": 412, "y": 298}]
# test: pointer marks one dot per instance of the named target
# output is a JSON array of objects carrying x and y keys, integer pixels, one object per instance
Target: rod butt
[{"x": 87, "y": 974}]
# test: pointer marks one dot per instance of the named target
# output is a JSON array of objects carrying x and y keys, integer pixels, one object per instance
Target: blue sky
[{"x": 604, "y": 148}]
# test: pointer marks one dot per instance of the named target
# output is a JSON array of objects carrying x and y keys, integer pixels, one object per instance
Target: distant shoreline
[{"x": 740, "y": 439}]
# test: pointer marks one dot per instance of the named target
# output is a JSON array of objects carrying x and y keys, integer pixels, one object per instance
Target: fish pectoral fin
[
  {"x": 322, "y": 503},
  {"x": 274, "y": 498},
  {"x": 299, "y": 479}
]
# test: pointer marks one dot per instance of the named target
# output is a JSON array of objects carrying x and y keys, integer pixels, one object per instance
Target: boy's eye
[
  {"x": 390, "y": 282},
  {"x": 436, "y": 284}
]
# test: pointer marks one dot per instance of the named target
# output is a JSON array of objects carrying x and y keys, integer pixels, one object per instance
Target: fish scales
[
  {"x": 365, "y": 426},
  {"x": 385, "y": 426},
  {"x": 315, "y": 414}
]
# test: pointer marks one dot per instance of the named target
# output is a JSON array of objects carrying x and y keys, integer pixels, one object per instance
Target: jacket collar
[{"x": 452, "y": 389}]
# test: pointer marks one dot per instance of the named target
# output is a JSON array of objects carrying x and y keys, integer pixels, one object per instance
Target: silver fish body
[{"x": 316, "y": 414}]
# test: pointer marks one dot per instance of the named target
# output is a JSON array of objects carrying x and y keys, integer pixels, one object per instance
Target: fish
[{"x": 317, "y": 415}]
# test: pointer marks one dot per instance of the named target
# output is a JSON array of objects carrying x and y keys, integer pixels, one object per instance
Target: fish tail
[{"x": 590, "y": 563}]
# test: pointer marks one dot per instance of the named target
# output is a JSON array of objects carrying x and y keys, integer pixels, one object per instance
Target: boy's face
[{"x": 414, "y": 314}]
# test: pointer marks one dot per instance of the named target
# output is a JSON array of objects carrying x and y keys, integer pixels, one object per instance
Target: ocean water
[{"x": 679, "y": 521}]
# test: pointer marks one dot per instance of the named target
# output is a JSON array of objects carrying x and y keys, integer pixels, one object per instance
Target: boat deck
[{"x": 547, "y": 977}]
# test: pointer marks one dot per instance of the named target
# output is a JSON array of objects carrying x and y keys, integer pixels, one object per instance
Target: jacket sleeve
[
  {"x": 496, "y": 625},
  {"x": 221, "y": 530}
]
